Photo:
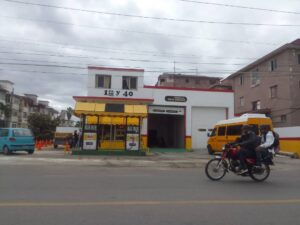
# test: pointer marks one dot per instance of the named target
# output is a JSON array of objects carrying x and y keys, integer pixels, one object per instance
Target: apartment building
[
  {"x": 186, "y": 81},
  {"x": 20, "y": 106},
  {"x": 270, "y": 85}
]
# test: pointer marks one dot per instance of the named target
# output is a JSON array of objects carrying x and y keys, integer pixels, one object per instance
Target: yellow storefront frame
[
  {"x": 98, "y": 109},
  {"x": 94, "y": 114}
]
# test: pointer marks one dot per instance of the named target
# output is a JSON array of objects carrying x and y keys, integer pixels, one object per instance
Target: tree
[
  {"x": 5, "y": 110},
  {"x": 42, "y": 126},
  {"x": 69, "y": 113}
]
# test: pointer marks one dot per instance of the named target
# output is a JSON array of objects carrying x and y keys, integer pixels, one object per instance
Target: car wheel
[
  {"x": 55, "y": 146},
  {"x": 30, "y": 152},
  {"x": 6, "y": 150}
]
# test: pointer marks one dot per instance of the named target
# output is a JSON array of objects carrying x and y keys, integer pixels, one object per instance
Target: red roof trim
[
  {"x": 188, "y": 89},
  {"x": 112, "y": 99},
  {"x": 238, "y": 114},
  {"x": 114, "y": 69}
]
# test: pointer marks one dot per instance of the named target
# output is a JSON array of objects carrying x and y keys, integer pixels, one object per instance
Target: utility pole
[{"x": 11, "y": 108}]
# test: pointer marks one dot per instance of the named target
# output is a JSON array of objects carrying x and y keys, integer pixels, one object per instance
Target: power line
[
  {"x": 122, "y": 51},
  {"x": 241, "y": 7},
  {"x": 139, "y": 32},
  {"x": 148, "y": 71},
  {"x": 92, "y": 48},
  {"x": 149, "y": 61},
  {"x": 39, "y": 53},
  {"x": 83, "y": 64},
  {"x": 150, "y": 17}
]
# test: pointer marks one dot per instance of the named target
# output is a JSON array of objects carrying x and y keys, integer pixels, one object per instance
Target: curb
[{"x": 292, "y": 155}]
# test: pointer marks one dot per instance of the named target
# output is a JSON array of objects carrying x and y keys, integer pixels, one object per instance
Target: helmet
[{"x": 246, "y": 127}]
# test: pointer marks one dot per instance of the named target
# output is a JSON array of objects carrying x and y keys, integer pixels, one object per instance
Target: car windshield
[{"x": 22, "y": 133}]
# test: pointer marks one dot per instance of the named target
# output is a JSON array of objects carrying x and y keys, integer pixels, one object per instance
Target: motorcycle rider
[
  {"x": 247, "y": 142},
  {"x": 267, "y": 140}
]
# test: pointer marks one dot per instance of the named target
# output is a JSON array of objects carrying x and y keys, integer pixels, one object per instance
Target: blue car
[{"x": 16, "y": 139}]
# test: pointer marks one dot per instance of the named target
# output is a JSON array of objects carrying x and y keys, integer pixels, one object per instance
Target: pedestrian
[{"x": 75, "y": 139}]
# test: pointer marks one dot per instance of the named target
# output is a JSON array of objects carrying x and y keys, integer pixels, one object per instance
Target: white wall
[
  {"x": 218, "y": 99},
  {"x": 116, "y": 83},
  {"x": 288, "y": 132},
  {"x": 195, "y": 99}
]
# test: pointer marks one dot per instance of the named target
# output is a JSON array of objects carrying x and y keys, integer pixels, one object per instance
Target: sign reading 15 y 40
[{"x": 114, "y": 93}]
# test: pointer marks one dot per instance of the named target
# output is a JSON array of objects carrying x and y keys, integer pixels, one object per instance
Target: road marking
[{"x": 146, "y": 203}]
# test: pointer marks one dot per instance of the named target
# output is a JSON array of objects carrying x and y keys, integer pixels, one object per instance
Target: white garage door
[{"x": 204, "y": 119}]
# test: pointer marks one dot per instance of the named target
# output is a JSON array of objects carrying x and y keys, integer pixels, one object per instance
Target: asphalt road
[{"x": 57, "y": 194}]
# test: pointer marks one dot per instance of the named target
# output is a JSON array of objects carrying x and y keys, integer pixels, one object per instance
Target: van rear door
[{"x": 23, "y": 138}]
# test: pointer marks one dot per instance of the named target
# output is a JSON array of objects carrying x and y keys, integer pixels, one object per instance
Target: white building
[
  {"x": 20, "y": 107},
  {"x": 118, "y": 102}
]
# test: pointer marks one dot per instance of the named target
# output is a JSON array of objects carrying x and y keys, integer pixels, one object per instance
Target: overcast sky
[{"x": 70, "y": 40}]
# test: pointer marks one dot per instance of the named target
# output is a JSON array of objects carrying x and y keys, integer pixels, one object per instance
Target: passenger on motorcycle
[
  {"x": 267, "y": 140},
  {"x": 247, "y": 142}
]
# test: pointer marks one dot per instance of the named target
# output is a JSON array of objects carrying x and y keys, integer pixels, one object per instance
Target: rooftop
[
  {"x": 115, "y": 69},
  {"x": 291, "y": 45},
  {"x": 187, "y": 76}
]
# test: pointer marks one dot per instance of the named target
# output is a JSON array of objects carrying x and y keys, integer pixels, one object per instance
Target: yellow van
[{"x": 226, "y": 131}]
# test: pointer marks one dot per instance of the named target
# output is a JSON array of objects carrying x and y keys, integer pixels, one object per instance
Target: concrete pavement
[{"x": 56, "y": 194}]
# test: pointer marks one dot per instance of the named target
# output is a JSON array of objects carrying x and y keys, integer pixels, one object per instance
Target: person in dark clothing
[
  {"x": 247, "y": 142},
  {"x": 75, "y": 139}
]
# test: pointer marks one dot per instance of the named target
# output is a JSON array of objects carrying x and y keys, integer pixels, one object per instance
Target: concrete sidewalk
[{"x": 194, "y": 159}]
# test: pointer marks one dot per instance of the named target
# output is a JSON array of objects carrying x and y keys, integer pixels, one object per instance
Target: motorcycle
[{"x": 217, "y": 167}]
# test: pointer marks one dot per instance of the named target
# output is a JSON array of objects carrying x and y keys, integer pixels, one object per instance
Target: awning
[
  {"x": 113, "y": 120},
  {"x": 100, "y": 109}
]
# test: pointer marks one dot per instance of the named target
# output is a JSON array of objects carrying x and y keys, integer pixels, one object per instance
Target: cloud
[{"x": 75, "y": 46}]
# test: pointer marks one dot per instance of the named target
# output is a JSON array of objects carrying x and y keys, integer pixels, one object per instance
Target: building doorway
[{"x": 166, "y": 131}]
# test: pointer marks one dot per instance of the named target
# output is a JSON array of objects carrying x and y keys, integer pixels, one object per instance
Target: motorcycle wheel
[
  {"x": 260, "y": 174},
  {"x": 215, "y": 170}
]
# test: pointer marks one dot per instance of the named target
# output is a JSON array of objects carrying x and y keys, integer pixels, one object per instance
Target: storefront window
[
  {"x": 112, "y": 132},
  {"x": 120, "y": 133}
]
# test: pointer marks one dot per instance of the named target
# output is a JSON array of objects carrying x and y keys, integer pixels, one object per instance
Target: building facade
[
  {"x": 186, "y": 81},
  {"x": 120, "y": 112},
  {"x": 20, "y": 106},
  {"x": 270, "y": 85}
]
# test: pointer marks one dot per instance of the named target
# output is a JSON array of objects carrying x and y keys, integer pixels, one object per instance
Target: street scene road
[{"x": 50, "y": 192}]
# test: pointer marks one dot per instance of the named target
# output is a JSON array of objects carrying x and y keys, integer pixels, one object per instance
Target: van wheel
[
  {"x": 6, "y": 150},
  {"x": 209, "y": 150}
]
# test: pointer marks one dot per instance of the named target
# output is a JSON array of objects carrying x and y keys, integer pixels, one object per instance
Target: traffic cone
[
  {"x": 39, "y": 146},
  {"x": 67, "y": 147}
]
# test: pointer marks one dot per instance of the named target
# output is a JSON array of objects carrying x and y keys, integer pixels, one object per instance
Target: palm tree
[{"x": 69, "y": 113}]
